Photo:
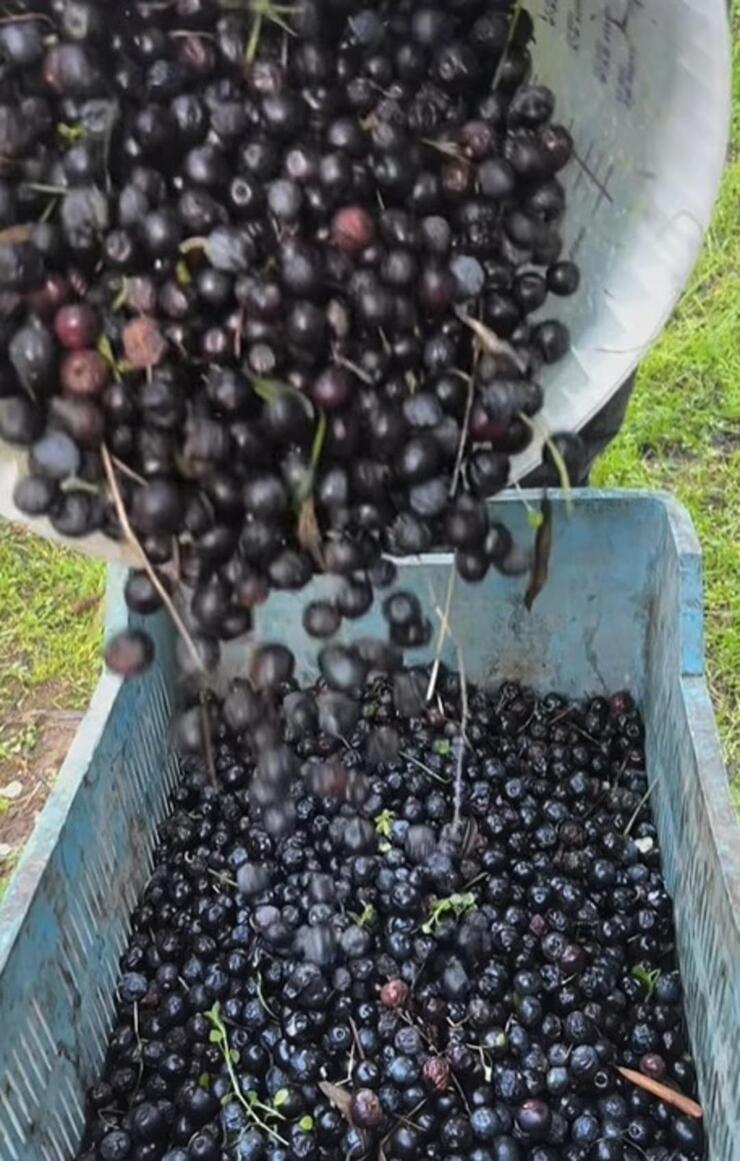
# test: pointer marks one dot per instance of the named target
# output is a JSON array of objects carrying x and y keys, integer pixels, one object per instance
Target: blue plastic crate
[{"x": 623, "y": 607}]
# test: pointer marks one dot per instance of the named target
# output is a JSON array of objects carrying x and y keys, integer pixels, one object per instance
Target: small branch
[
  {"x": 145, "y": 562},
  {"x": 353, "y": 367},
  {"x": 463, "y": 436},
  {"x": 638, "y": 808},
  {"x": 187, "y": 33},
  {"x": 509, "y": 41},
  {"x": 356, "y": 1035},
  {"x": 25, "y": 17},
  {"x": 421, "y": 766},
  {"x": 561, "y": 467},
  {"x": 125, "y": 470},
  {"x": 444, "y": 628},
  {"x": 457, "y": 811},
  {"x": 207, "y": 744},
  {"x": 678, "y": 1101},
  {"x": 490, "y": 341}
]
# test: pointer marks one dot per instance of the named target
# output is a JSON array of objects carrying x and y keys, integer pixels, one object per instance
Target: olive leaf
[
  {"x": 542, "y": 551},
  {"x": 341, "y": 1100},
  {"x": 309, "y": 533}
]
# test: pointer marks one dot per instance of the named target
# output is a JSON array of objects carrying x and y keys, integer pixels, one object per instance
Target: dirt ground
[{"x": 42, "y": 738}]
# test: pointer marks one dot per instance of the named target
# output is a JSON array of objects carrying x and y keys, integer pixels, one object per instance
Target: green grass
[
  {"x": 50, "y": 624},
  {"x": 682, "y": 432},
  {"x": 50, "y": 644}
]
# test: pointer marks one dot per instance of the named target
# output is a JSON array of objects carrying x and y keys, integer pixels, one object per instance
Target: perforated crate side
[
  {"x": 66, "y": 916},
  {"x": 697, "y": 826}
]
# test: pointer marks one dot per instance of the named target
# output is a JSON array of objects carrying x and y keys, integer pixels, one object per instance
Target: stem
[
  {"x": 638, "y": 808},
  {"x": 57, "y": 191},
  {"x": 125, "y": 470},
  {"x": 490, "y": 341},
  {"x": 463, "y": 437},
  {"x": 507, "y": 46},
  {"x": 457, "y": 811},
  {"x": 254, "y": 38},
  {"x": 226, "y": 1053},
  {"x": 207, "y": 746},
  {"x": 261, "y": 996},
  {"x": 426, "y": 769},
  {"x": 560, "y": 465},
  {"x": 198, "y": 242},
  {"x": 444, "y": 625},
  {"x": 186, "y": 33},
  {"x": 145, "y": 562},
  {"x": 25, "y": 17}
]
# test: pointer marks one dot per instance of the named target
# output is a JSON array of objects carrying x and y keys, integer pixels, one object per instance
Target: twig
[
  {"x": 683, "y": 1103},
  {"x": 638, "y": 808},
  {"x": 443, "y": 631},
  {"x": 457, "y": 810},
  {"x": 24, "y": 17},
  {"x": 139, "y": 1046},
  {"x": 145, "y": 562},
  {"x": 186, "y": 33},
  {"x": 461, "y": 1091},
  {"x": 358, "y": 372},
  {"x": 357, "y": 1040},
  {"x": 561, "y": 467},
  {"x": 125, "y": 470},
  {"x": 427, "y": 769},
  {"x": 509, "y": 41},
  {"x": 463, "y": 722},
  {"x": 207, "y": 745},
  {"x": 463, "y": 436},
  {"x": 222, "y": 878},
  {"x": 490, "y": 341}
]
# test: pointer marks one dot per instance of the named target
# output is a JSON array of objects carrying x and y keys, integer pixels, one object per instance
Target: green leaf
[
  {"x": 366, "y": 916},
  {"x": 280, "y": 1097},
  {"x": 648, "y": 979},
  {"x": 71, "y": 133},
  {"x": 182, "y": 273},
  {"x": 384, "y": 823},
  {"x": 457, "y": 904},
  {"x": 270, "y": 389},
  {"x": 234, "y": 1055},
  {"x": 442, "y": 746},
  {"x": 306, "y": 1124},
  {"x": 535, "y": 519},
  {"x": 318, "y": 442},
  {"x": 384, "y": 846},
  {"x": 252, "y": 1097},
  {"x": 120, "y": 300},
  {"x": 106, "y": 350},
  {"x": 204, "y": 1079},
  {"x": 215, "y": 1036}
]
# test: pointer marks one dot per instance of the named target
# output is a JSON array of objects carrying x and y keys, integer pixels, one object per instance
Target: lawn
[
  {"x": 682, "y": 434},
  {"x": 51, "y": 606}
]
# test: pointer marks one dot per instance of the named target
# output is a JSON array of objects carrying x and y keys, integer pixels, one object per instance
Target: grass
[
  {"x": 50, "y": 645},
  {"x": 682, "y": 432},
  {"x": 50, "y": 622}
]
